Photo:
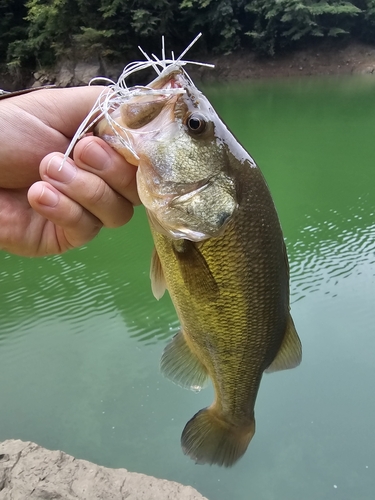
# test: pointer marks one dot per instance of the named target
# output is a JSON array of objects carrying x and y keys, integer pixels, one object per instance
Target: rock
[
  {"x": 112, "y": 70},
  {"x": 368, "y": 70},
  {"x": 365, "y": 69},
  {"x": 65, "y": 75},
  {"x": 42, "y": 79},
  {"x": 28, "y": 471},
  {"x": 86, "y": 71}
]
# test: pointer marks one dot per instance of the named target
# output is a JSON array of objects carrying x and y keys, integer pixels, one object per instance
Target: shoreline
[
  {"x": 326, "y": 58},
  {"x": 323, "y": 59}
]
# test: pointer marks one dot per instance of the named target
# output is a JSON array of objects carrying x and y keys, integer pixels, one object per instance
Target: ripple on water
[
  {"x": 330, "y": 251},
  {"x": 31, "y": 294},
  {"x": 66, "y": 290}
]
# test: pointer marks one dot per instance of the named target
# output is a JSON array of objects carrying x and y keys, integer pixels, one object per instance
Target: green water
[{"x": 81, "y": 334}]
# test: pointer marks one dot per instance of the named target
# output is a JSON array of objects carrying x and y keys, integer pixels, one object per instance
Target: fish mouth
[
  {"x": 182, "y": 201},
  {"x": 135, "y": 118},
  {"x": 173, "y": 77}
]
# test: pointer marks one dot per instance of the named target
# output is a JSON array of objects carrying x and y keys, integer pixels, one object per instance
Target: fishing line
[{"x": 116, "y": 93}]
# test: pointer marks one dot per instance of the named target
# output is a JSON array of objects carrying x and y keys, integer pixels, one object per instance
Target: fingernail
[
  {"x": 95, "y": 156},
  {"x": 48, "y": 197},
  {"x": 59, "y": 171}
]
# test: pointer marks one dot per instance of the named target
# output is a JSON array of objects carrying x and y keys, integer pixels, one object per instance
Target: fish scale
[
  {"x": 246, "y": 321},
  {"x": 220, "y": 253}
]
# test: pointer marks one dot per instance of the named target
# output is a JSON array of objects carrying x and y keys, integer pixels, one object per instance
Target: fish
[{"x": 218, "y": 250}]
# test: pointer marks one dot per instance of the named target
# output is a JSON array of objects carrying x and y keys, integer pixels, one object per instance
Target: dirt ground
[{"x": 321, "y": 59}]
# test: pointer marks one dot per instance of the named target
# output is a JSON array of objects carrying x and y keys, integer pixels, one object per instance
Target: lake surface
[{"x": 81, "y": 334}]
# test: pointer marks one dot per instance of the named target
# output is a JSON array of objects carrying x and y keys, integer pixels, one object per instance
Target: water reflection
[
  {"x": 332, "y": 248},
  {"x": 81, "y": 334},
  {"x": 84, "y": 283}
]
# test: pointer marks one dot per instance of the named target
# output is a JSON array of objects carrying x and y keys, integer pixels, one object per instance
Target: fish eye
[{"x": 196, "y": 123}]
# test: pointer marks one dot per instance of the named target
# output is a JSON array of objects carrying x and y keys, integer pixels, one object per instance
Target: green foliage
[
  {"x": 12, "y": 24},
  {"x": 50, "y": 30},
  {"x": 219, "y": 20},
  {"x": 279, "y": 23},
  {"x": 369, "y": 21},
  {"x": 40, "y": 31},
  {"x": 365, "y": 29},
  {"x": 93, "y": 41}
]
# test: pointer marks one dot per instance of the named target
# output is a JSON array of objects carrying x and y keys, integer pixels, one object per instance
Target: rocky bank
[
  {"x": 30, "y": 472},
  {"x": 322, "y": 58}
]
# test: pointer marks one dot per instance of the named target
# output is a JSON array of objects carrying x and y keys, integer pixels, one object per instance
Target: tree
[{"x": 279, "y": 23}]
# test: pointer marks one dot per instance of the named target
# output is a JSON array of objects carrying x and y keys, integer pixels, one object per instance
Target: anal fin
[
  {"x": 181, "y": 365},
  {"x": 290, "y": 352}
]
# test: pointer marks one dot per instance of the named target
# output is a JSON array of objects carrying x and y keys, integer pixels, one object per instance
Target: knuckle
[
  {"x": 98, "y": 194},
  {"x": 88, "y": 226}
]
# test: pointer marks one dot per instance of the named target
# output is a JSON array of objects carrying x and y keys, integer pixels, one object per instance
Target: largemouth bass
[{"x": 219, "y": 251}]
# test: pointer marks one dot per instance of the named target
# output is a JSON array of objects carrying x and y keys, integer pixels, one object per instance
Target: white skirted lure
[{"x": 116, "y": 93}]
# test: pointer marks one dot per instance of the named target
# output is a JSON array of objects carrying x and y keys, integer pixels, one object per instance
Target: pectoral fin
[
  {"x": 158, "y": 284},
  {"x": 181, "y": 365},
  {"x": 290, "y": 352},
  {"x": 195, "y": 270}
]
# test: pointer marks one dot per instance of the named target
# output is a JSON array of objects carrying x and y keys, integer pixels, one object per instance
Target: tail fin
[{"x": 209, "y": 439}]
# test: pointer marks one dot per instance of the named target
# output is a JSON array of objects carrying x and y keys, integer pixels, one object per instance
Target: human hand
[{"x": 66, "y": 208}]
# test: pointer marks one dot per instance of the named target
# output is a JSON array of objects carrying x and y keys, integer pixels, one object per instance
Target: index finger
[
  {"x": 61, "y": 109},
  {"x": 96, "y": 156},
  {"x": 35, "y": 124}
]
